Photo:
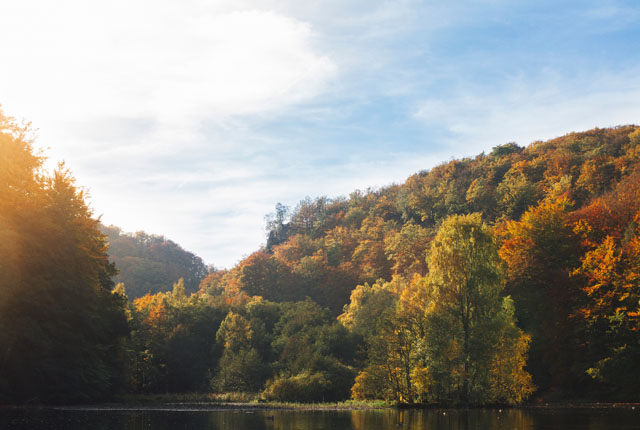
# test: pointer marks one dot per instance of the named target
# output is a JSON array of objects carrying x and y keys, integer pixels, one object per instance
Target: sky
[{"x": 192, "y": 119}]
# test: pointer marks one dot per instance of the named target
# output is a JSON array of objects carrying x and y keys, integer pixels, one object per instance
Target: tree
[
  {"x": 240, "y": 368},
  {"x": 516, "y": 192},
  {"x": 60, "y": 325},
  {"x": 369, "y": 306},
  {"x": 388, "y": 315},
  {"x": 277, "y": 227},
  {"x": 468, "y": 321},
  {"x": 611, "y": 311},
  {"x": 261, "y": 274},
  {"x": 407, "y": 250},
  {"x": 540, "y": 251},
  {"x": 370, "y": 255},
  {"x": 315, "y": 355}
]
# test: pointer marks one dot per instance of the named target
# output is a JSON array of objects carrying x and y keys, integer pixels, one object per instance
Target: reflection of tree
[{"x": 452, "y": 419}]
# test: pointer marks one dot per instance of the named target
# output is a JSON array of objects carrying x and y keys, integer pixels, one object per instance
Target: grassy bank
[{"x": 233, "y": 401}]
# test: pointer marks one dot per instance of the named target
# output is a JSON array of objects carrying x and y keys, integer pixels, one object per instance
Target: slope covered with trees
[
  {"x": 150, "y": 263},
  {"x": 483, "y": 280},
  {"x": 544, "y": 299}
]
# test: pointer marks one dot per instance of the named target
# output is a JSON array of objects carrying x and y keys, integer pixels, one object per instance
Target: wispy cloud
[
  {"x": 610, "y": 16},
  {"x": 171, "y": 63},
  {"x": 193, "y": 118},
  {"x": 525, "y": 109}
]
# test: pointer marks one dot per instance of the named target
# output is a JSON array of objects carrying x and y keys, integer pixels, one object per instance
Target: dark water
[{"x": 450, "y": 419}]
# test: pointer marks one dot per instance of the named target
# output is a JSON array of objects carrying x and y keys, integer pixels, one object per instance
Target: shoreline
[{"x": 278, "y": 406}]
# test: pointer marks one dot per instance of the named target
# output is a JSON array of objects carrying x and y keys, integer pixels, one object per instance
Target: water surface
[{"x": 431, "y": 419}]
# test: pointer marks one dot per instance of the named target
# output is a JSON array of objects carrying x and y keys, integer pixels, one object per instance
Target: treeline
[
  {"x": 149, "y": 263},
  {"x": 483, "y": 280},
  {"x": 412, "y": 341}
]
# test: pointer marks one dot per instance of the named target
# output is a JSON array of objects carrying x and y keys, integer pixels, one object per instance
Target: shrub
[
  {"x": 330, "y": 384},
  {"x": 304, "y": 387}
]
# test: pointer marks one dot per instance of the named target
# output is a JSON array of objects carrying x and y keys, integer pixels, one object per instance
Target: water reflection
[
  {"x": 432, "y": 419},
  {"x": 457, "y": 419}
]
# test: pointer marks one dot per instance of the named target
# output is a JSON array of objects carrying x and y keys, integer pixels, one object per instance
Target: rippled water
[{"x": 432, "y": 419}]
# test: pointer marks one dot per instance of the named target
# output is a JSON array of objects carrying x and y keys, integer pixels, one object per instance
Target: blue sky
[{"x": 192, "y": 119}]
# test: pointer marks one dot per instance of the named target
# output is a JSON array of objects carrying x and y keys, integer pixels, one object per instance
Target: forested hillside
[
  {"x": 150, "y": 263},
  {"x": 485, "y": 280},
  {"x": 559, "y": 223}
]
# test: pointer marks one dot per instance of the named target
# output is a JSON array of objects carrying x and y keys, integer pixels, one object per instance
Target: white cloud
[
  {"x": 122, "y": 90},
  {"x": 170, "y": 61}
]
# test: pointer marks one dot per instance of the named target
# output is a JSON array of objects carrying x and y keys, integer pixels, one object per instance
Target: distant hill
[{"x": 151, "y": 263}]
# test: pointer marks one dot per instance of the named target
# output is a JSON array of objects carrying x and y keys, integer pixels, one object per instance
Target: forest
[
  {"x": 508, "y": 277},
  {"x": 149, "y": 263}
]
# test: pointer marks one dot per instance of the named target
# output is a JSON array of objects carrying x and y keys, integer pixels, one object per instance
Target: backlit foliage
[
  {"x": 472, "y": 283},
  {"x": 61, "y": 328}
]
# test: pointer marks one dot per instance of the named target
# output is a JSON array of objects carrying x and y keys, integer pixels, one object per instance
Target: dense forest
[
  {"x": 149, "y": 263},
  {"x": 509, "y": 276}
]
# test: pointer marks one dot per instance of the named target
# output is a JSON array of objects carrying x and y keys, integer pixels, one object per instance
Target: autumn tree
[
  {"x": 370, "y": 313},
  {"x": 610, "y": 311},
  {"x": 407, "y": 250},
  {"x": 263, "y": 275},
  {"x": 540, "y": 251},
  {"x": 370, "y": 255},
  {"x": 390, "y": 317}
]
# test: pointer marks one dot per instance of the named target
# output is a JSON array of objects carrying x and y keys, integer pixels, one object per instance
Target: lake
[{"x": 431, "y": 419}]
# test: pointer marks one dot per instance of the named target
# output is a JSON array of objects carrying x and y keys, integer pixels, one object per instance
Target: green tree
[
  {"x": 240, "y": 368},
  {"x": 469, "y": 323},
  {"x": 173, "y": 345},
  {"x": 516, "y": 192},
  {"x": 369, "y": 307},
  {"x": 308, "y": 341}
]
